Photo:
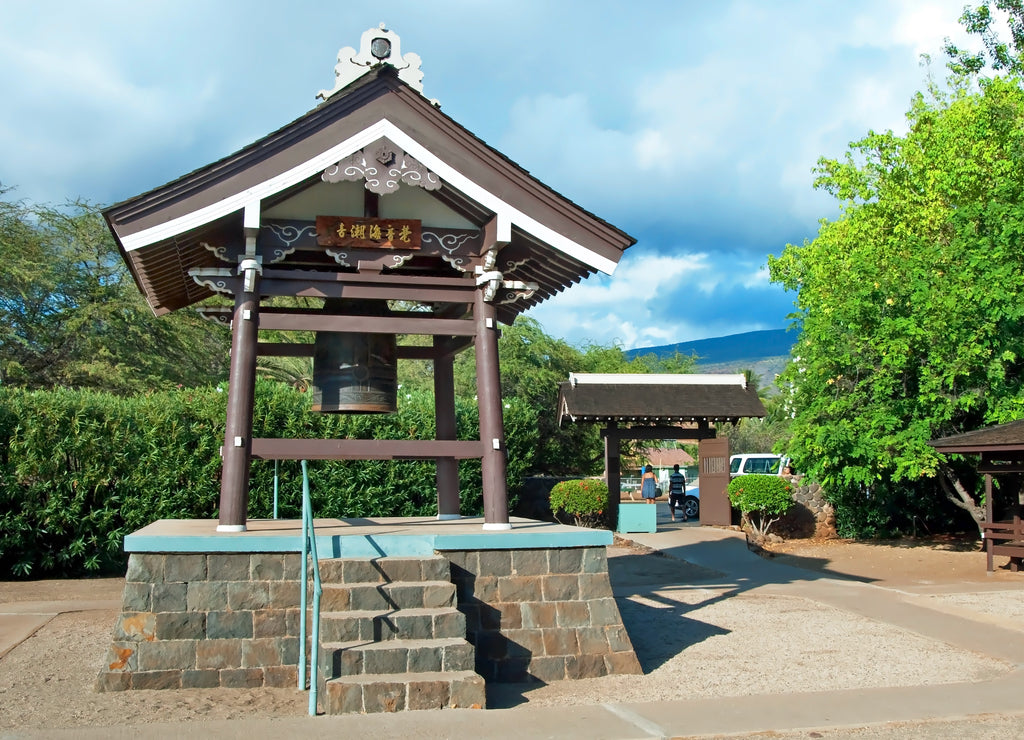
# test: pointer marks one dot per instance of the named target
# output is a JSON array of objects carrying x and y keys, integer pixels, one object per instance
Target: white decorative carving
[
  {"x": 516, "y": 264},
  {"x": 214, "y": 278},
  {"x": 340, "y": 257},
  {"x": 447, "y": 242},
  {"x": 459, "y": 263},
  {"x": 493, "y": 280},
  {"x": 376, "y": 46},
  {"x": 218, "y": 317},
  {"x": 289, "y": 233},
  {"x": 398, "y": 260},
  {"x": 383, "y": 169},
  {"x": 487, "y": 276},
  {"x": 279, "y": 253},
  {"x": 517, "y": 290},
  {"x": 219, "y": 252}
]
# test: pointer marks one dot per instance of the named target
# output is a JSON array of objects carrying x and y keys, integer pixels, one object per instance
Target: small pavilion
[
  {"x": 663, "y": 406},
  {"x": 1002, "y": 453},
  {"x": 391, "y": 219},
  {"x": 374, "y": 196}
]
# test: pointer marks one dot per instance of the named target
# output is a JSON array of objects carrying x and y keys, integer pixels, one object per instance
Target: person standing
[
  {"x": 676, "y": 492},
  {"x": 649, "y": 485}
]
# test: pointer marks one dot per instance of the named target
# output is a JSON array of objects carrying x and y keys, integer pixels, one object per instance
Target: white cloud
[{"x": 692, "y": 126}]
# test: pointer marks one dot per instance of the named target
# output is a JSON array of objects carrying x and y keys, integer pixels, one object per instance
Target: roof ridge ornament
[{"x": 376, "y": 46}]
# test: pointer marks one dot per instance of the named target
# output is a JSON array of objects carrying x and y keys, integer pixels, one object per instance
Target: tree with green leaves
[
  {"x": 71, "y": 316},
  {"x": 767, "y": 434},
  {"x": 911, "y": 308},
  {"x": 981, "y": 21}
]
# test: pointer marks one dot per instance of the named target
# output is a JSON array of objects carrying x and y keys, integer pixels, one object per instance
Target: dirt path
[{"x": 943, "y": 561}]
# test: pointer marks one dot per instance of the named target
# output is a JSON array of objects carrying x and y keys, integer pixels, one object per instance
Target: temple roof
[{"x": 550, "y": 242}]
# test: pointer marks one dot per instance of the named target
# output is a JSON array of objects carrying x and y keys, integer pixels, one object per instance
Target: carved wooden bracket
[{"x": 384, "y": 166}]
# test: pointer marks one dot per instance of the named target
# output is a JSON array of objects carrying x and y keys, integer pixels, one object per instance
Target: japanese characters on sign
[{"x": 368, "y": 233}]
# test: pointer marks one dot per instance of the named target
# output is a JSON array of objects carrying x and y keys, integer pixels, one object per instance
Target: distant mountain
[
  {"x": 751, "y": 345},
  {"x": 764, "y": 352}
]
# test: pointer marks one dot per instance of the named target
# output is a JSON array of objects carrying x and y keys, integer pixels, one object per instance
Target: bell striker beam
[
  {"x": 234, "y": 487},
  {"x": 444, "y": 410},
  {"x": 492, "y": 429}
]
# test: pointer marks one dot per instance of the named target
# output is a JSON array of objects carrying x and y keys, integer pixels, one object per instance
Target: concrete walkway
[
  {"x": 20, "y": 620},
  {"x": 934, "y": 711}
]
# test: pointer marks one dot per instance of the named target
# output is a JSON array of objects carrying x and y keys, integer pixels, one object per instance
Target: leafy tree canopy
[
  {"x": 71, "y": 316},
  {"x": 911, "y": 300}
]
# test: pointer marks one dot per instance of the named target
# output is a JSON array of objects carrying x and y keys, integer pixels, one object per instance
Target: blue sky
[{"x": 693, "y": 126}]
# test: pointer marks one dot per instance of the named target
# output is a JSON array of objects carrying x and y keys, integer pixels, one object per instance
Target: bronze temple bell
[{"x": 355, "y": 373}]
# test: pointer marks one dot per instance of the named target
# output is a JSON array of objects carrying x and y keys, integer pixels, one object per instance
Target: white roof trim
[
  {"x": 297, "y": 174},
  {"x": 658, "y": 379}
]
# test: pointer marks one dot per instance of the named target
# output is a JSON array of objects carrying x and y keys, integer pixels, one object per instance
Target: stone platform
[{"x": 204, "y": 609}]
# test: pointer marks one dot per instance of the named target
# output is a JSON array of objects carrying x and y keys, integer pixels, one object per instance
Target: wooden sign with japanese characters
[{"x": 368, "y": 233}]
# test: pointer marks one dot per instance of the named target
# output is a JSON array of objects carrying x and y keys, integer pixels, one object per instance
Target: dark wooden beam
[
  {"x": 622, "y": 433},
  {"x": 443, "y": 347},
  {"x": 372, "y": 278},
  {"x": 406, "y": 324},
  {"x": 365, "y": 449},
  {"x": 284, "y": 349},
  {"x": 305, "y": 288},
  {"x": 1000, "y": 468}
]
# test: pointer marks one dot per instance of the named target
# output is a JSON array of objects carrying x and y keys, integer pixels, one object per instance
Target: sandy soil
[
  {"x": 693, "y": 638},
  {"x": 940, "y": 561}
]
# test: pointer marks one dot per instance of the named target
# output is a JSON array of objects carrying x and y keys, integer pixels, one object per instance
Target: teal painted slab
[
  {"x": 638, "y": 518},
  {"x": 363, "y": 538}
]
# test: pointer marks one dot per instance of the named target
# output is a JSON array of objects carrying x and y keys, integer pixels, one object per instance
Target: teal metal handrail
[
  {"x": 276, "y": 462},
  {"x": 309, "y": 549}
]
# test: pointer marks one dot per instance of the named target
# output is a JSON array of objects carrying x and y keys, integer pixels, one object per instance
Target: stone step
[
  {"x": 387, "y": 596},
  {"x": 397, "y": 692},
  {"x": 403, "y": 624},
  {"x": 384, "y": 570},
  {"x": 397, "y": 656}
]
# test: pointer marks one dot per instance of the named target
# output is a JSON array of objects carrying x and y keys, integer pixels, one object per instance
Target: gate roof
[
  {"x": 1001, "y": 438},
  {"x": 657, "y": 398}
]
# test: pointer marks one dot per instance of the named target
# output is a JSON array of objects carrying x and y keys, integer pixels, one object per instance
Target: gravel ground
[
  {"x": 696, "y": 641},
  {"x": 692, "y": 640}
]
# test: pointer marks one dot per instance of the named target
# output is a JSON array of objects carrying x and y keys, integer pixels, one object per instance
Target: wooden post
[
  {"x": 613, "y": 471},
  {"x": 989, "y": 517},
  {"x": 444, "y": 412},
  {"x": 715, "y": 508},
  {"x": 492, "y": 428},
  {"x": 234, "y": 486}
]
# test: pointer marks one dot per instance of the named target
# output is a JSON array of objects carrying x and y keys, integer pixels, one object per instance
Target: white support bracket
[{"x": 250, "y": 267}]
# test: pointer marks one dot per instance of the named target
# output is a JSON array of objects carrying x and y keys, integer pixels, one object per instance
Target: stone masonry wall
[
  {"x": 205, "y": 620},
  {"x": 811, "y": 516},
  {"x": 541, "y": 614}
]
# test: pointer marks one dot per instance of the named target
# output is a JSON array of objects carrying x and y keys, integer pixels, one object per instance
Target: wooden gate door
[{"x": 714, "y": 477}]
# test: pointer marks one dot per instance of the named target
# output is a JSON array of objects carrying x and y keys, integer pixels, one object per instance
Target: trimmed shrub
[
  {"x": 583, "y": 500},
  {"x": 762, "y": 498}
]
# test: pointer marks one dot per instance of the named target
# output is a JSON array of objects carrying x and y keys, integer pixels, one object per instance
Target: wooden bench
[{"x": 1005, "y": 538}]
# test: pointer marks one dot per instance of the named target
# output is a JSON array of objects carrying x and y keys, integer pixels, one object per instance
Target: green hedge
[{"x": 79, "y": 470}]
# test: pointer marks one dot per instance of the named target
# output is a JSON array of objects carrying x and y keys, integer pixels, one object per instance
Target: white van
[{"x": 764, "y": 463}]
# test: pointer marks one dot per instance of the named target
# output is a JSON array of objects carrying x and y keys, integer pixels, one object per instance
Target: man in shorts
[{"x": 676, "y": 492}]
